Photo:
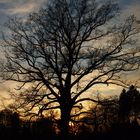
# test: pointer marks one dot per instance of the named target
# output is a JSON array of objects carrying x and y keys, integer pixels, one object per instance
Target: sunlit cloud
[{"x": 22, "y": 9}]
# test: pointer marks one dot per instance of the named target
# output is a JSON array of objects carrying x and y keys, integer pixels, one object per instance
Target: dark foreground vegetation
[{"x": 112, "y": 119}]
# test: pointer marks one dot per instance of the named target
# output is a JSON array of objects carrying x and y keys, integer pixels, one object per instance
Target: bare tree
[{"x": 64, "y": 50}]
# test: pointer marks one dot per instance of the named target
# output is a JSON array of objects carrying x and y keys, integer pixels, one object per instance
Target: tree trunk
[{"x": 64, "y": 124}]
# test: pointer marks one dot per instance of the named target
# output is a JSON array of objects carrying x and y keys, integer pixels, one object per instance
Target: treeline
[{"x": 113, "y": 119}]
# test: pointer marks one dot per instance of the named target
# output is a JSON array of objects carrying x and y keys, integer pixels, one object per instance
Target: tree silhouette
[
  {"x": 6, "y": 116},
  {"x": 64, "y": 50},
  {"x": 129, "y": 104},
  {"x": 9, "y": 124},
  {"x": 101, "y": 116}
]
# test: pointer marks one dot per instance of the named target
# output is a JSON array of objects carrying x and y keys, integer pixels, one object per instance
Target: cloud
[
  {"x": 129, "y": 7},
  {"x": 18, "y": 7},
  {"x": 22, "y": 9},
  {"x": 124, "y": 3},
  {"x": 134, "y": 9}
]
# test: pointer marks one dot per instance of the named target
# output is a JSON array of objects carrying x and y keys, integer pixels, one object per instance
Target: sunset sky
[{"x": 11, "y": 8}]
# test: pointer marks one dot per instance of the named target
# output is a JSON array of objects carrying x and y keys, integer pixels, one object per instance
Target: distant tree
[
  {"x": 43, "y": 128},
  {"x": 9, "y": 119},
  {"x": 15, "y": 121},
  {"x": 64, "y": 50},
  {"x": 101, "y": 116},
  {"x": 5, "y": 117},
  {"x": 129, "y": 103}
]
